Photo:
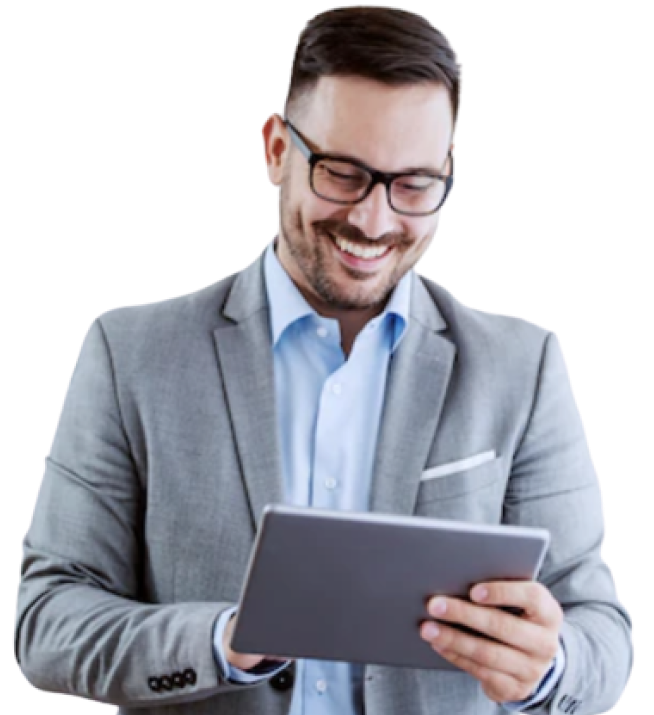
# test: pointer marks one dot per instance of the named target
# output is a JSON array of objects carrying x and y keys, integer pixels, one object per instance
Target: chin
[{"x": 341, "y": 298}]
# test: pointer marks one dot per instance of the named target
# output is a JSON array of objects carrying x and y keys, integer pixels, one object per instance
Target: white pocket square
[{"x": 459, "y": 466}]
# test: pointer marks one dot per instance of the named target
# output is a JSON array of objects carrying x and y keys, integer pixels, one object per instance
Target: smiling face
[{"x": 392, "y": 129}]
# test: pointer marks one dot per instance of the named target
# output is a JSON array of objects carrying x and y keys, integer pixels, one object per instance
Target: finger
[
  {"x": 535, "y": 599},
  {"x": 453, "y": 645},
  {"x": 499, "y": 687},
  {"x": 529, "y": 637}
]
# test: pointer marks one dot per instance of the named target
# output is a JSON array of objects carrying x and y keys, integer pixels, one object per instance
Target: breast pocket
[{"x": 470, "y": 489}]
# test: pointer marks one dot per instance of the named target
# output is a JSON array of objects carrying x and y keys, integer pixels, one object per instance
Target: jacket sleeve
[
  {"x": 82, "y": 626},
  {"x": 553, "y": 485}
]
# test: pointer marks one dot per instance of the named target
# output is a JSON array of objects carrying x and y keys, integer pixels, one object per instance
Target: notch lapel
[
  {"x": 419, "y": 374},
  {"x": 245, "y": 358}
]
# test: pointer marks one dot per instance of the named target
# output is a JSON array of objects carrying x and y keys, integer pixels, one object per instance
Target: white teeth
[{"x": 360, "y": 252}]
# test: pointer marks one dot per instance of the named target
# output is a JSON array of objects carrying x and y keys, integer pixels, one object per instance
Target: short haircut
[{"x": 392, "y": 46}]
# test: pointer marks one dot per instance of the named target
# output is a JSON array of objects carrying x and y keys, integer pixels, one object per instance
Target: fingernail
[
  {"x": 479, "y": 593},
  {"x": 438, "y": 607},
  {"x": 430, "y": 630}
]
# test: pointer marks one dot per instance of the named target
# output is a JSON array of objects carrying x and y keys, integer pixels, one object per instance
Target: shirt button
[
  {"x": 330, "y": 483},
  {"x": 321, "y": 686},
  {"x": 372, "y": 326},
  {"x": 337, "y": 388},
  {"x": 322, "y": 332}
]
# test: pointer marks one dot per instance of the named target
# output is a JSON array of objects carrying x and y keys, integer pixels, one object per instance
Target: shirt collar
[{"x": 288, "y": 305}]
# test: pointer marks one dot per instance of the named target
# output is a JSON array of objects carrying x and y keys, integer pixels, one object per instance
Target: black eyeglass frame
[{"x": 377, "y": 177}]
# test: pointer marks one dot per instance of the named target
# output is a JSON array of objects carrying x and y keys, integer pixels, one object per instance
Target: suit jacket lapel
[
  {"x": 418, "y": 377},
  {"x": 244, "y": 347}
]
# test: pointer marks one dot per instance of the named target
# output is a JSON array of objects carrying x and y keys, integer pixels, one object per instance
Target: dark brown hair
[{"x": 392, "y": 46}]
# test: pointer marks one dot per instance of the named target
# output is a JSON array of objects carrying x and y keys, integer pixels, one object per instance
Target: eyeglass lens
[{"x": 338, "y": 180}]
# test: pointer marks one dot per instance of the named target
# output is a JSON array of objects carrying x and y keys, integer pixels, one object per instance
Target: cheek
[
  {"x": 426, "y": 234},
  {"x": 429, "y": 231},
  {"x": 420, "y": 238},
  {"x": 316, "y": 211}
]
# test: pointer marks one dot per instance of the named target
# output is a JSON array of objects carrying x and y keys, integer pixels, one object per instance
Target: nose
[{"x": 373, "y": 215}]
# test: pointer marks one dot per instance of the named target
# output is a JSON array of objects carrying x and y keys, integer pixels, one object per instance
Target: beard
[{"x": 327, "y": 278}]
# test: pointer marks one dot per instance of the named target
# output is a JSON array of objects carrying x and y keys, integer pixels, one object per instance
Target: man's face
[{"x": 389, "y": 128}]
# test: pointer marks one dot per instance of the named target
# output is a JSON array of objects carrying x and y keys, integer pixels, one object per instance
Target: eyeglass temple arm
[{"x": 297, "y": 140}]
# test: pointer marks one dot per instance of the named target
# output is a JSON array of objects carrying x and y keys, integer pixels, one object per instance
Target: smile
[{"x": 364, "y": 253}]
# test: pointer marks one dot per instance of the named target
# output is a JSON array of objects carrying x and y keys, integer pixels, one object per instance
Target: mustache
[{"x": 356, "y": 235}]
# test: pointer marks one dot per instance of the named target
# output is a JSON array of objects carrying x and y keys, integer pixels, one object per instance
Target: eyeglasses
[{"x": 349, "y": 181}]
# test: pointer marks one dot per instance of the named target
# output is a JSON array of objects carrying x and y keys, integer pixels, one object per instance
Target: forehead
[{"x": 387, "y": 127}]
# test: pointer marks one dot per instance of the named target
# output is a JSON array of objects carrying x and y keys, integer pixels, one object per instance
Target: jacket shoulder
[
  {"x": 470, "y": 326},
  {"x": 141, "y": 339},
  {"x": 198, "y": 306}
]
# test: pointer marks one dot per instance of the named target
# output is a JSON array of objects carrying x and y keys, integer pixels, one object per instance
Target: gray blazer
[{"x": 167, "y": 451}]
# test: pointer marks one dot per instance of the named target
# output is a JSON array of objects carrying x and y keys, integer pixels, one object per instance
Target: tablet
[{"x": 353, "y": 587}]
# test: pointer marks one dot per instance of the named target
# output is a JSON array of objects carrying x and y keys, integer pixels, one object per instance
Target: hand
[
  {"x": 513, "y": 668},
  {"x": 242, "y": 661}
]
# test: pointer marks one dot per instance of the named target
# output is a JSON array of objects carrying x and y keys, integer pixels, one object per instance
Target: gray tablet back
[{"x": 354, "y": 587}]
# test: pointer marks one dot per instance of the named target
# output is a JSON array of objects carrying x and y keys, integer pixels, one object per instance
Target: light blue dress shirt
[{"x": 329, "y": 411}]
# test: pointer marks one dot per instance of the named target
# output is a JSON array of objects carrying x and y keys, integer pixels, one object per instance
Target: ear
[{"x": 277, "y": 146}]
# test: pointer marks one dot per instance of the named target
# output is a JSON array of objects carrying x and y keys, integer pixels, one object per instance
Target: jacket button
[
  {"x": 190, "y": 676},
  {"x": 166, "y": 682},
  {"x": 155, "y": 684},
  {"x": 178, "y": 680},
  {"x": 282, "y": 681}
]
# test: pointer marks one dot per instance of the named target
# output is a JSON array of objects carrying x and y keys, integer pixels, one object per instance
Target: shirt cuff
[
  {"x": 264, "y": 670},
  {"x": 546, "y": 685}
]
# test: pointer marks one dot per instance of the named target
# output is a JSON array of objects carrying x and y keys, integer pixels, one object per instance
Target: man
[{"x": 328, "y": 373}]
